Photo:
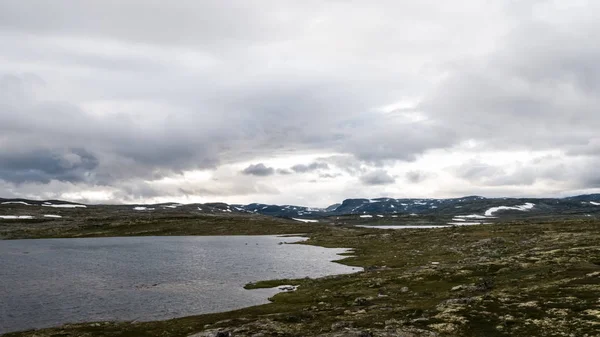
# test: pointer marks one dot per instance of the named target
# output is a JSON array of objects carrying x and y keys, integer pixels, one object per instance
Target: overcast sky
[{"x": 298, "y": 102}]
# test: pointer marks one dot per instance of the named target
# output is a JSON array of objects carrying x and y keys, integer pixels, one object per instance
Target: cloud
[
  {"x": 302, "y": 168},
  {"x": 259, "y": 170},
  {"x": 72, "y": 165},
  {"x": 477, "y": 170},
  {"x": 329, "y": 176},
  {"x": 90, "y": 106},
  {"x": 378, "y": 177},
  {"x": 416, "y": 177},
  {"x": 533, "y": 91}
]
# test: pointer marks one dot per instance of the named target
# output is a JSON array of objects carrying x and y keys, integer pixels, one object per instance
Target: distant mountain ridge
[{"x": 469, "y": 205}]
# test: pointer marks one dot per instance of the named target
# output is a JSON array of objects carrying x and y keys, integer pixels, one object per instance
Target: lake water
[{"x": 46, "y": 283}]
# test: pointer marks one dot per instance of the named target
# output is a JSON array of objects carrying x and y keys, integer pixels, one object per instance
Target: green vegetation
[
  {"x": 270, "y": 283},
  {"x": 517, "y": 279},
  {"x": 169, "y": 224}
]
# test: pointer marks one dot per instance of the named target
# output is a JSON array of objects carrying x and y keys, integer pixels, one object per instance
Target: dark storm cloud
[
  {"x": 74, "y": 165},
  {"x": 259, "y": 170},
  {"x": 378, "y": 177},
  {"x": 120, "y": 147},
  {"x": 303, "y": 168}
]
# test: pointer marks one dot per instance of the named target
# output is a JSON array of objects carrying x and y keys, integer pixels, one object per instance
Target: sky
[{"x": 298, "y": 102}]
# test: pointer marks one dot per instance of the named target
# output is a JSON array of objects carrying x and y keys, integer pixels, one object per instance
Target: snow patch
[
  {"x": 595, "y": 203},
  {"x": 525, "y": 207},
  {"x": 172, "y": 206},
  {"x": 472, "y": 216},
  {"x": 366, "y": 216},
  {"x": 305, "y": 220},
  {"x": 21, "y": 203},
  {"x": 287, "y": 288},
  {"x": 142, "y": 208},
  {"x": 13, "y": 217},
  {"x": 64, "y": 205},
  {"x": 54, "y": 216},
  {"x": 468, "y": 223},
  {"x": 379, "y": 216}
]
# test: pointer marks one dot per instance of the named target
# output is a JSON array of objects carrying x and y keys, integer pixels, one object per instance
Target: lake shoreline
[{"x": 236, "y": 255}]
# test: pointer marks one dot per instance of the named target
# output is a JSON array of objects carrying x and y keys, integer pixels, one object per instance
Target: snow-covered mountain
[{"x": 466, "y": 207}]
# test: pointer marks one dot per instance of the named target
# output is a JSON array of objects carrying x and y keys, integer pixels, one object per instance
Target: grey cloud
[
  {"x": 121, "y": 148},
  {"x": 140, "y": 190},
  {"x": 534, "y": 91},
  {"x": 377, "y": 177},
  {"x": 477, "y": 170},
  {"x": 73, "y": 165},
  {"x": 283, "y": 171},
  {"x": 163, "y": 109},
  {"x": 114, "y": 19},
  {"x": 259, "y": 170},
  {"x": 329, "y": 176},
  {"x": 347, "y": 163},
  {"x": 302, "y": 168},
  {"x": 232, "y": 73},
  {"x": 416, "y": 177},
  {"x": 397, "y": 139},
  {"x": 493, "y": 175},
  {"x": 571, "y": 172}
]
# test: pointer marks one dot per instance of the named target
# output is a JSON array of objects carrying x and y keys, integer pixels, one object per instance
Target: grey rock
[{"x": 341, "y": 325}]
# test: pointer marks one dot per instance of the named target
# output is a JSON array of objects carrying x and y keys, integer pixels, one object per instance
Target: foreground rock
[{"x": 267, "y": 327}]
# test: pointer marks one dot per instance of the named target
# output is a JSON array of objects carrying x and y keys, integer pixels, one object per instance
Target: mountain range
[{"x": 465, "y": 207}]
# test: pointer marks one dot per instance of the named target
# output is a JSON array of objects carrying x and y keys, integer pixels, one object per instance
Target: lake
[{"x": 51, "y": 282}]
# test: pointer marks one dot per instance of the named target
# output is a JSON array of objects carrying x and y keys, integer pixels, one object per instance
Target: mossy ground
[
  {"x": 170, "y": 224},
  {"x": 518, "y": 279}
]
